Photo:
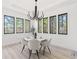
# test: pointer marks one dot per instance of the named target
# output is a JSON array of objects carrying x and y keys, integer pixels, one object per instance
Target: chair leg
[
  {"x": 30, "y": 52},
  {"x": 40, "y": 48},
  {"x": 44, "y": 50},
  {"x": 37, "y": 54},
  {"x": 49, "y": 49},
  {"x": 23, "y": 48}
]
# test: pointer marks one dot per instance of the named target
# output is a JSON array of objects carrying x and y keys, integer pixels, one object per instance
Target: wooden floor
[{"x": 13, "y": 52}]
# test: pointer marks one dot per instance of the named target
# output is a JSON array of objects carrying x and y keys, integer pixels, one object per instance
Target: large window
[
  {"x": 9, "y": 24},
  {"x": 62, "y": 23},
  {"x": 19, "y": 25},
  {"x": 27, "y": 26},
  {"x": 40, "y": 26},
  {"x": 45, "y": 25},
  {"x": 53, "y": 24}
]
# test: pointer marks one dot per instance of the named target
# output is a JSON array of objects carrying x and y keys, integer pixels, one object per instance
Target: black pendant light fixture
[{"x": 36, "y": 13}]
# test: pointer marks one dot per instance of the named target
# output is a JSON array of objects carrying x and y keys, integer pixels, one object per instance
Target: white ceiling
[{"x": 28, "y": 5}]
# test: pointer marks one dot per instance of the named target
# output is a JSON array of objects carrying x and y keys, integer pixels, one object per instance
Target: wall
[
  {"x": 12, "y": 38},
  {"x": 66, "y": 41}
]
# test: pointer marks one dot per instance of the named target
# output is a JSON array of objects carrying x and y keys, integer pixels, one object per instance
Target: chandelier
[{"x": 36, "y": 14}]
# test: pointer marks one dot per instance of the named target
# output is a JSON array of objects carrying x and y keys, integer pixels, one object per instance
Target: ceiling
[{"x": 28, "y": 5}]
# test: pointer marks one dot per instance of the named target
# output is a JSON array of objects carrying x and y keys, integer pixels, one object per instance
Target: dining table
[{"x": 39, "y": 39}]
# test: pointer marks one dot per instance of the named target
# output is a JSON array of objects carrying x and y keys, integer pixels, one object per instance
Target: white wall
[
  {"x": 12, "y": 38},
  {"x": 67, "y": 41}
]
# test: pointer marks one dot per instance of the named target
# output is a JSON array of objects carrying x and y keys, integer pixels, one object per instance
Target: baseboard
[
  {"x": 65, "y": 51},
  {"x": 8, "y": 45}
]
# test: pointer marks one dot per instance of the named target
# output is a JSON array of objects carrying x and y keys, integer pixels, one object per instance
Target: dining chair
[
  {"x": 33, "y": 47},
  {"x": 45, "y": 43},
  {"x": 24, "y": 43}
]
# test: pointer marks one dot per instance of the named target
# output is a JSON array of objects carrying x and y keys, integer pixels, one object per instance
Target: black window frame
[
  {"x": 22, "y": 25},
  {"x": 13, "y": 24},
  {"x": 62, "y": 23},
  {"x": 51, "y": 32},
  {"x": 43, "y": 24},
  {"x": 38, "y": 25},
  {"x": 29, "y": 26}
]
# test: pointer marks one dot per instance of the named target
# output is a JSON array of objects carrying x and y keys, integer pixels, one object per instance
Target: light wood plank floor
[{"x": 13, "y": 52}]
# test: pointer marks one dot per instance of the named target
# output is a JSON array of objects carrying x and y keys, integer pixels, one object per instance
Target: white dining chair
[
  {"x": 24, "y": 43},
  {"x": 45, "y": 43},
  {"x": 33, "y": 46}
]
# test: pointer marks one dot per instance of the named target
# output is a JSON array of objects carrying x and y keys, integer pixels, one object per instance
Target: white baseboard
[
  {"x": 8, "y": 45},
  {"x": 65, "y": 51}
]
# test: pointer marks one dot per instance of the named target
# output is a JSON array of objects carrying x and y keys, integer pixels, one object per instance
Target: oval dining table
[{"x": 39, "y": 39}]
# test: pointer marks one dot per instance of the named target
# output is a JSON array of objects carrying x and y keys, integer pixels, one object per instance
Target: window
[
  {"x": 9, "y": 24},
  {"x": 40, "y": 26},
  {"x": 62, "y": 24},
  {"x": 45, "y": 25},
  {"x": 19, "y": 25},
  {"x": 53, "y": 24},
  {"x": 27, "y": 26}
]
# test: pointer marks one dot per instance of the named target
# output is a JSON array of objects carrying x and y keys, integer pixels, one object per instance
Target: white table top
[{"x": 27, "y": 39}]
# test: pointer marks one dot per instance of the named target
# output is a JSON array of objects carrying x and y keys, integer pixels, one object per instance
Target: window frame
[
  {"x": 22, "y": 25},
  {"x": 51, "y": 32},
  {"x": 39, "y": 24},
  {"x": 47, "y": 24},
  {"x": 29, "y": 26},
  {"x": 13, "y": 24},
  {"x": 62, "y": 23}
]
